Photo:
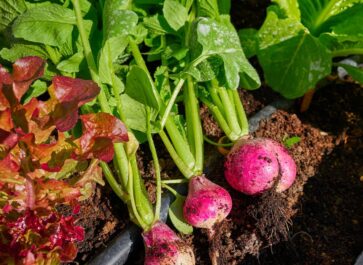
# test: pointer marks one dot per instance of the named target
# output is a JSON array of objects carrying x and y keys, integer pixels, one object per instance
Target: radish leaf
[{"x": 177, "y": 217}]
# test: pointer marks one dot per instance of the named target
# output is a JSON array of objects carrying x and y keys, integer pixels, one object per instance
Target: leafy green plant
[
  {"x": 299, "y": 39},
  {"x": 42, "y": 166}
]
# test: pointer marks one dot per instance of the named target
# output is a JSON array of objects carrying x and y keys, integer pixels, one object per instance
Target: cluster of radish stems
[{"x": 188, "y": 155}]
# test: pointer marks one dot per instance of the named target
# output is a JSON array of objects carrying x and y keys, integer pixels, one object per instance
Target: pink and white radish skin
[
  {"x": 206, "y": 204},
  {"x": 253, "y": 166},
  {"x": 164, "y": 247}
]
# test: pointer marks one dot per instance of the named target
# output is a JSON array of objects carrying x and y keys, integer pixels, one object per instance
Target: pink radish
[
  {"x": 206, "y": 204},
  {"x": 253, "y": 166},
  {"x": 164, "y": 247}
]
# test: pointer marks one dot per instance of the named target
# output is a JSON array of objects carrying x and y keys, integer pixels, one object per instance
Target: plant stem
[
  {"x": 173, "y": 191},
  {"x": 156, "y": 167},
  {"x": 174, "y": 181},
  {"x": 181, "y": 146},
  {"x": 102, "y": 99},
  {"x": 216, "y": 144},
  {"x": 143, "y": 205},
  {"x": 220, "y": 119},
  {"x": 171, "y": 102},
  {"x": 215, "y": 98},
  {"x": 241, "y": 114},
  {"x": 230, "y": 114},
  {"x": 192, "y": 107},
  {"x": 137, "y": 56},
  {"x": 113, "y": 183},
  {"x": 184, "y": 169},
  {"x": 132, "y": 201},
  {"x": 178, "y": 147},
  {"x": 347, "y": 52}
]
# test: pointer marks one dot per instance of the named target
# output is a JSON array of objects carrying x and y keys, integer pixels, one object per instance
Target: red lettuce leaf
[
  {"x": 39, "y": 235},
  {"x": 100, "y": 131},
  {"x": 25, "y": 71},
  {"x": 6, "y": 121},
  {"x": 71, "y": 93},
  {"x": 5, "y": 79}
]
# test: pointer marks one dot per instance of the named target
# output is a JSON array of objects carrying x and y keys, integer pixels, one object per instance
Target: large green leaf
[
  {"x": 51, "y": 24},
  {"x": 9, "y": 10},
  {"x": 22, "y": 50},
  {"x": 275, "y": 30},
  {"x": 348, "y": 23},
  {"x": 224, "y": 7},
  {"x": 140, "y": 87},
  {"x": 294, "y": 66},
  {"x": 342, "y": 45},
  {"x": 118, "y": 24},
  {"x": 117, "y": 20},
  {"x": 314, "y": 13},
  {"x": 220, "y": 39},
  {"x": 175, "y": 14}
]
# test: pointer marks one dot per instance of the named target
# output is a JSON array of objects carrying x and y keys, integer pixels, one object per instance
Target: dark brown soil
[
  {"x": 328, "y": 228},
  {"x": 102, "y": 216}
]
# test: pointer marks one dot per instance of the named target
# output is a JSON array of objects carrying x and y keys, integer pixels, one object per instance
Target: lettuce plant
[
  {"x": 42, "y": 165},
  {"x": 299, "y": 39}
]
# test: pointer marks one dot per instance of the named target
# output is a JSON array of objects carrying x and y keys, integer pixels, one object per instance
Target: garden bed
[
  {"x": 319, "y": 220},
  {"x": 322, "y": 214}
]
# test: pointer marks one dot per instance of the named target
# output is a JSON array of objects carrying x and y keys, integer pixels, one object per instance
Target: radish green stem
[
  {"x": 113, "y": 183},
  {"x": 142, "y": 202},
  {"x": 174, "y": 181},
  {"x": 132, "y": 200},
  {"x": 156, "y": 167},
  {"x": 242, "y": 118},
  {"x": 191, "y": 105},
  {"x": 230, "y": 116},
  {"x": 177, "y": 147},
  {"x": 217, "y": 144},
  {"x": 138, "y": 57},
  {"x": 179, "y": 143},
  {"x": 174, "y": 192},
  {"x": 347, "y": 52},
  {"x": 186, "y": 171},
  {"x": 215, "y": 97},
  {"x": 171, "y": 102},
  {"x": 220, "y": 119}
]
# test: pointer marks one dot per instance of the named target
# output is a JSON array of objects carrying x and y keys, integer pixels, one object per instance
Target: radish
[
  {"x": 206, "y": 204},
  {"x": 256, "y": 165},
  {"x": 164, "y": 247}
]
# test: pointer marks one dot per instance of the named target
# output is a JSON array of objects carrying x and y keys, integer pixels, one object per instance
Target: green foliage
[
  {"x": 298, "y": 40},
  {"x": 289, "y": 142},
  {"x": 176, "y": 215}
]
